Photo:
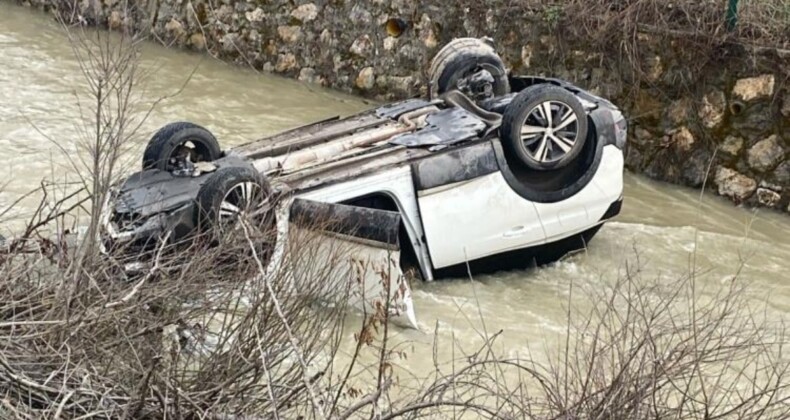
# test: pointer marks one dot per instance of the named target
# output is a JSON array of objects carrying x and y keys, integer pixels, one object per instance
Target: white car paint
[
  {"x": 609, "y": 178},
  {"x": 477, "y": 218},
  {"x": 484, "y": 216},
  {"x": 584, "y": 209}
]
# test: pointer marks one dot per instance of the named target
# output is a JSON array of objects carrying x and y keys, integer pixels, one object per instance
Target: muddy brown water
[{"x": 665, "y": 224}]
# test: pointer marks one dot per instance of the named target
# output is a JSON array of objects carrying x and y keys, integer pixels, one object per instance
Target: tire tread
[
  {"x": 454, "y": 52},
  {"x": 213, "y": 191}
]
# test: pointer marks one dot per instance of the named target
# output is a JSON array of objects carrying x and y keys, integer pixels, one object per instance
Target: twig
[
  {"x": 151, "y": 273},
  {"x": 367, "y": 400}
]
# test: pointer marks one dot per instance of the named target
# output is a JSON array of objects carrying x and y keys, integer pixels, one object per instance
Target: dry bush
[
  {"x": 113, "y": 107},
  {"x": 224, "y": 336},
  {"x": 205, "y": 337},
  {"x": 765, "y": 22},
  {"x": 663, "y": 348},
  {"x": 187, "y": 337},
  {"x": 631, "y": 33},
  {"x": 203, "y": 331},
  {"x": 635, "y": 348},
  {"x": 207, "y": 328}
]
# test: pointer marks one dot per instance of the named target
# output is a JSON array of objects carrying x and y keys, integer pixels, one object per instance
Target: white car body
[{"x": 445, "y": 228}]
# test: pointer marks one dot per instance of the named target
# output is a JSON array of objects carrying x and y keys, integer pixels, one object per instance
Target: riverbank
[{"x": 703, "y": 111}]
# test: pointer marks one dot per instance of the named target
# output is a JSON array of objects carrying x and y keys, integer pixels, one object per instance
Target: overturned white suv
[{"x": 492, "y": 171}]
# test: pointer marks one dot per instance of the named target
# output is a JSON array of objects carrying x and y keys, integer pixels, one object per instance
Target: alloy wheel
[
  {"x": 238, "y": 202},
  {"x": 550, "y": 131}
]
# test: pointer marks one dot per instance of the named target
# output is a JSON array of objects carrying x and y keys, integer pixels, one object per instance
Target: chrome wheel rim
[
  {"x": 550, "y": 131},
  {"x": 238, "y": 202}
]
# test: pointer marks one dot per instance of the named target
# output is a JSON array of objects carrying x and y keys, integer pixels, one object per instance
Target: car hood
[{"x": 152, "y": 191}]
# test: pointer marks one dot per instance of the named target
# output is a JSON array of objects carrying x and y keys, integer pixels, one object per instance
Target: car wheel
[
  {"x": 471, "y": 66},
  {"x": 230, "y": 194},
  {"x": 180, "y": 141},
  {"x": 545, "y": 127}
]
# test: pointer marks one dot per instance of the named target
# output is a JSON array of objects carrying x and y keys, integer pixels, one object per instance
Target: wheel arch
[{"x": 589, "y": 159}]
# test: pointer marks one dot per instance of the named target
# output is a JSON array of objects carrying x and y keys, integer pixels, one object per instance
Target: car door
[
  {"x": 469, "y": 211},
  {"x": 571, "y": 216},
  {"x": 353, "y": 243}
]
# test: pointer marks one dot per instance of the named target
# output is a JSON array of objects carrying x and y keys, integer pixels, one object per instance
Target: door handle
[{"x": 516, "y": 231}]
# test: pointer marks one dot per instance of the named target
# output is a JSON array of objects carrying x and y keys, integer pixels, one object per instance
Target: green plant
[{"x": 552, "y": 15}]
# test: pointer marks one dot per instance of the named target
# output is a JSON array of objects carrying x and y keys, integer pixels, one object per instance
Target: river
[{"x": 663, "y": 223}]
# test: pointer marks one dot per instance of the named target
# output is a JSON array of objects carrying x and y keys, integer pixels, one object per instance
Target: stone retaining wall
[{"x": 723, "y": 115}]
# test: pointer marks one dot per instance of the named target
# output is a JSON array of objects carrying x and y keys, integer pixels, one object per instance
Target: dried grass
[{"x": 765, "y": 22}]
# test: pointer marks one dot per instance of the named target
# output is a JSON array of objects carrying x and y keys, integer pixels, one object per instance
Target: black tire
[
  {"x": 170, "y": 137},
  {"x": 559, "y": 144},
  {"x": 461, "y": 57},
  {"x": 220, "y": 188}
]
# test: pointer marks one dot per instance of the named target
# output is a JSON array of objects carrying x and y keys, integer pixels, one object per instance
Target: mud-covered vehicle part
[
  {"x": 471, "y": 66},
  {"x": 180, "y": 141}
]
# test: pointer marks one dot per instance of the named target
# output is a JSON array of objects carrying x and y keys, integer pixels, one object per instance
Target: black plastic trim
[
  {"x": 518, "y": 83},
  {"x": 524, "y": 258},
  {"x": 613, "y": 210},
  {"x": 455, "y": 166},
  {"x": 360, "y": 222}
]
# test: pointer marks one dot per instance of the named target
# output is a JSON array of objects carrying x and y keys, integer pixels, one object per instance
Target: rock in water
[
  {"x": 735, "y": 185},
  {"x": 768, "y": 198}
]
